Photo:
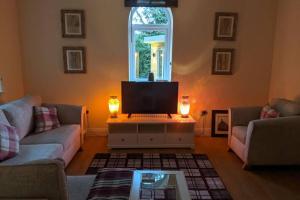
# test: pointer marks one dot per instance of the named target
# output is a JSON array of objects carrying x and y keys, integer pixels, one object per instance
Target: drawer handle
[
  {"x": 122, "y": 140},
  {"x": 179, "y": 139},
  {"x": 151, "y": 139}
]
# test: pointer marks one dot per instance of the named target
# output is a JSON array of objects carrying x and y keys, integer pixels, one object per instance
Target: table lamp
[
  {"x": 185, "y": 107},
  {"x": 113, "y": 105}
]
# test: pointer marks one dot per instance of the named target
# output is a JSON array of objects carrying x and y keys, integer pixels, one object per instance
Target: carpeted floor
[{"x": 203, "y": 181}]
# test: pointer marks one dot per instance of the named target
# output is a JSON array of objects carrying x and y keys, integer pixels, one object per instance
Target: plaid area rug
[{"x": 203, "y": 181}]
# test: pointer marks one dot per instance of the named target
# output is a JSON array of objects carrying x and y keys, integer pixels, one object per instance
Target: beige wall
[
  {"x": 107, "y": 53},
  {"x": 10, "y": 57},
  {"x": 286, "y": 65}
]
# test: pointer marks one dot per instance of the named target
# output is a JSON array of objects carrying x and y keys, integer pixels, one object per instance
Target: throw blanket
[{"x": 111, "y": 184}]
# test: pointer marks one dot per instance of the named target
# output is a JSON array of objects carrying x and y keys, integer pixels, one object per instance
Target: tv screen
[{"x": 149, "y": 97}]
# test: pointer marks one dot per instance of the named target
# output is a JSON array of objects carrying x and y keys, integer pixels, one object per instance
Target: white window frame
[{"x": 168, "y": 28}]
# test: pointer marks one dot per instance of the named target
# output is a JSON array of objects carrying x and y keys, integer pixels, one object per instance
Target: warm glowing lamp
[
  {"x": 185, "y": 107},
  {"x": 113, "y": 105}
]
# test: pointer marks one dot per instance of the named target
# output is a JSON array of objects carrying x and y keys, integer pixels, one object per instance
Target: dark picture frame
[
  {"x": 225, "y": 26},
  {"x": 223, "y": 60},
  {"x": 220, "y": 123},
  {"x": 73, "y": 23},
  {"x": 74, "y": 59},
  {"x": 151, "y": 3}
]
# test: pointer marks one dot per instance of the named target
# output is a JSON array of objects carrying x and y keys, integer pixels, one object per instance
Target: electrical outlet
[{"x": 203, "y": 113}]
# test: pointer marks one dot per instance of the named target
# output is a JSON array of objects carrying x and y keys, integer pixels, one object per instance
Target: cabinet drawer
[
  {"x": 122, "y": 139},
  {"x": 180, "y": 138},
  {"x": 151, "y": 139}
]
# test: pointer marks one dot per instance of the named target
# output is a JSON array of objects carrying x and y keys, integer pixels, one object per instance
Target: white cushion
[
  {"x": 64, "y": 135},
  {"x": 19, "y": 113}
]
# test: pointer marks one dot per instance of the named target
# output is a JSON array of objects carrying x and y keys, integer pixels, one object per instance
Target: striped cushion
[
  {"x": 9, "y": 142},
  {"x": 268, "y": 112},
  {"x": 111, "y": 184},
  {"x": 45, "y": 119}
]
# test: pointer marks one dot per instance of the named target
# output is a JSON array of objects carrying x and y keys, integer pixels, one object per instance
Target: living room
[{"x": 231, "y": 64}]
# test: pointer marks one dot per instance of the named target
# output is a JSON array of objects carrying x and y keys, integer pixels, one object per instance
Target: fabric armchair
[
  {"x": 43, "y": 179},
  {"x": 273, "y": 141}
]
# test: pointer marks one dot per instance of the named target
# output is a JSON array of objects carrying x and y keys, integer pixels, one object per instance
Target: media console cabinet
[{"x": 151, "y": 131}]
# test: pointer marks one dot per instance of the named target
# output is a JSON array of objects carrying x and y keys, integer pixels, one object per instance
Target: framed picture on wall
[
  {"x": 225, "y": 26},
  {"x": 74, "y": 59},
  {"x": 73, "y": 23},
  {"x": 220, "y": 123},
  {"x": 222, "y": 61}
]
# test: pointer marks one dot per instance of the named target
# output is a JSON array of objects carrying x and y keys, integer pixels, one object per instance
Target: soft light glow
[
  {"x": 113, "y": 105},
  {"x": 185, "y": 107}
]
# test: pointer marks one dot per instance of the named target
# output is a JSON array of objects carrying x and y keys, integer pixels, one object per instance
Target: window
[{"x": 150, "y": 33}]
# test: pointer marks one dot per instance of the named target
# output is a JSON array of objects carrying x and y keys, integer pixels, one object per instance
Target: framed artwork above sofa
[
  {"x": 74, "y": 59},
  {"x": 73, "y": 23}
]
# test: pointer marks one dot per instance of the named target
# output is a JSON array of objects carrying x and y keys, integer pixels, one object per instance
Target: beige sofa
[
  {"x": 269, "y": 141},
  {"x": 42, "y": 179},
  {"x": 62, "y": 142}
]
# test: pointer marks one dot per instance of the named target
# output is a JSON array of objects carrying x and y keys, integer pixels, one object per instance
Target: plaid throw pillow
[
  {"x": 45, "y": 119},
  {"x": 9, "y": 142},
  {"x": 268, "y": 112}
]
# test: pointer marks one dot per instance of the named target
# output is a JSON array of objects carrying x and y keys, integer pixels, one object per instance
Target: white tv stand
[{"x": 151, "y": 131}]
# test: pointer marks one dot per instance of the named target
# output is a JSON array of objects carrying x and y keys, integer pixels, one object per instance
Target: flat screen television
[{"x": 149, "y": 97}]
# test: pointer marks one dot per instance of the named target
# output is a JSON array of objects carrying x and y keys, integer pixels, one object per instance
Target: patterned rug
[{"x": 203, "y": 181}]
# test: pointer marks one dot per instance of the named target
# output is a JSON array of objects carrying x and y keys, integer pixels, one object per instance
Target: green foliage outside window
[{"x": 148, "y": 16}]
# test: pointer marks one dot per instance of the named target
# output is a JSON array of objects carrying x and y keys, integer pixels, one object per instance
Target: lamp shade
[
  {"x": 113, "y": 106},
  {"x": 185, "y": 107}
]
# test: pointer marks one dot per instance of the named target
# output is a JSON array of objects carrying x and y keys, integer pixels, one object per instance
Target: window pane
[
  {"x": 149, "y": 54},
  {"x": 146, "y": 15}
]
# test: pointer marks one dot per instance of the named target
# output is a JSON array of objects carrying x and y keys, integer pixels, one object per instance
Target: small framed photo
[
  {"x": 223, "y": 60},
  {"x": 73, "y": 23},
  {"x": 225, "y": 26},
  {"x": 74, "y": 59},
  {"x": 220, "y": 123}
]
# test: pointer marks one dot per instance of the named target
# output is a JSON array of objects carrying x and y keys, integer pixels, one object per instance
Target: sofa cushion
[
  {"x": 64, "y": 135},
  {"x": 240, "y": 132},
  {"x": 45, "y": 119},
  {"x": 30, "y": 153},
  {"x": 19, "y": 113},
  {"x": 285, "y": 107},
  {"x": 9, "y": 142}
]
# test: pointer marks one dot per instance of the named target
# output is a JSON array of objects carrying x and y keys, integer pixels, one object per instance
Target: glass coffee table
[{"x": 158, "y": 185}]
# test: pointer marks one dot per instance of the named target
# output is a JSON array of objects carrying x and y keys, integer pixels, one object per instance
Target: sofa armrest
[
  {"x": 241, "y": 116},
  {"x": 43, "y": 179},
  {"x": 273, "y": 141}
]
